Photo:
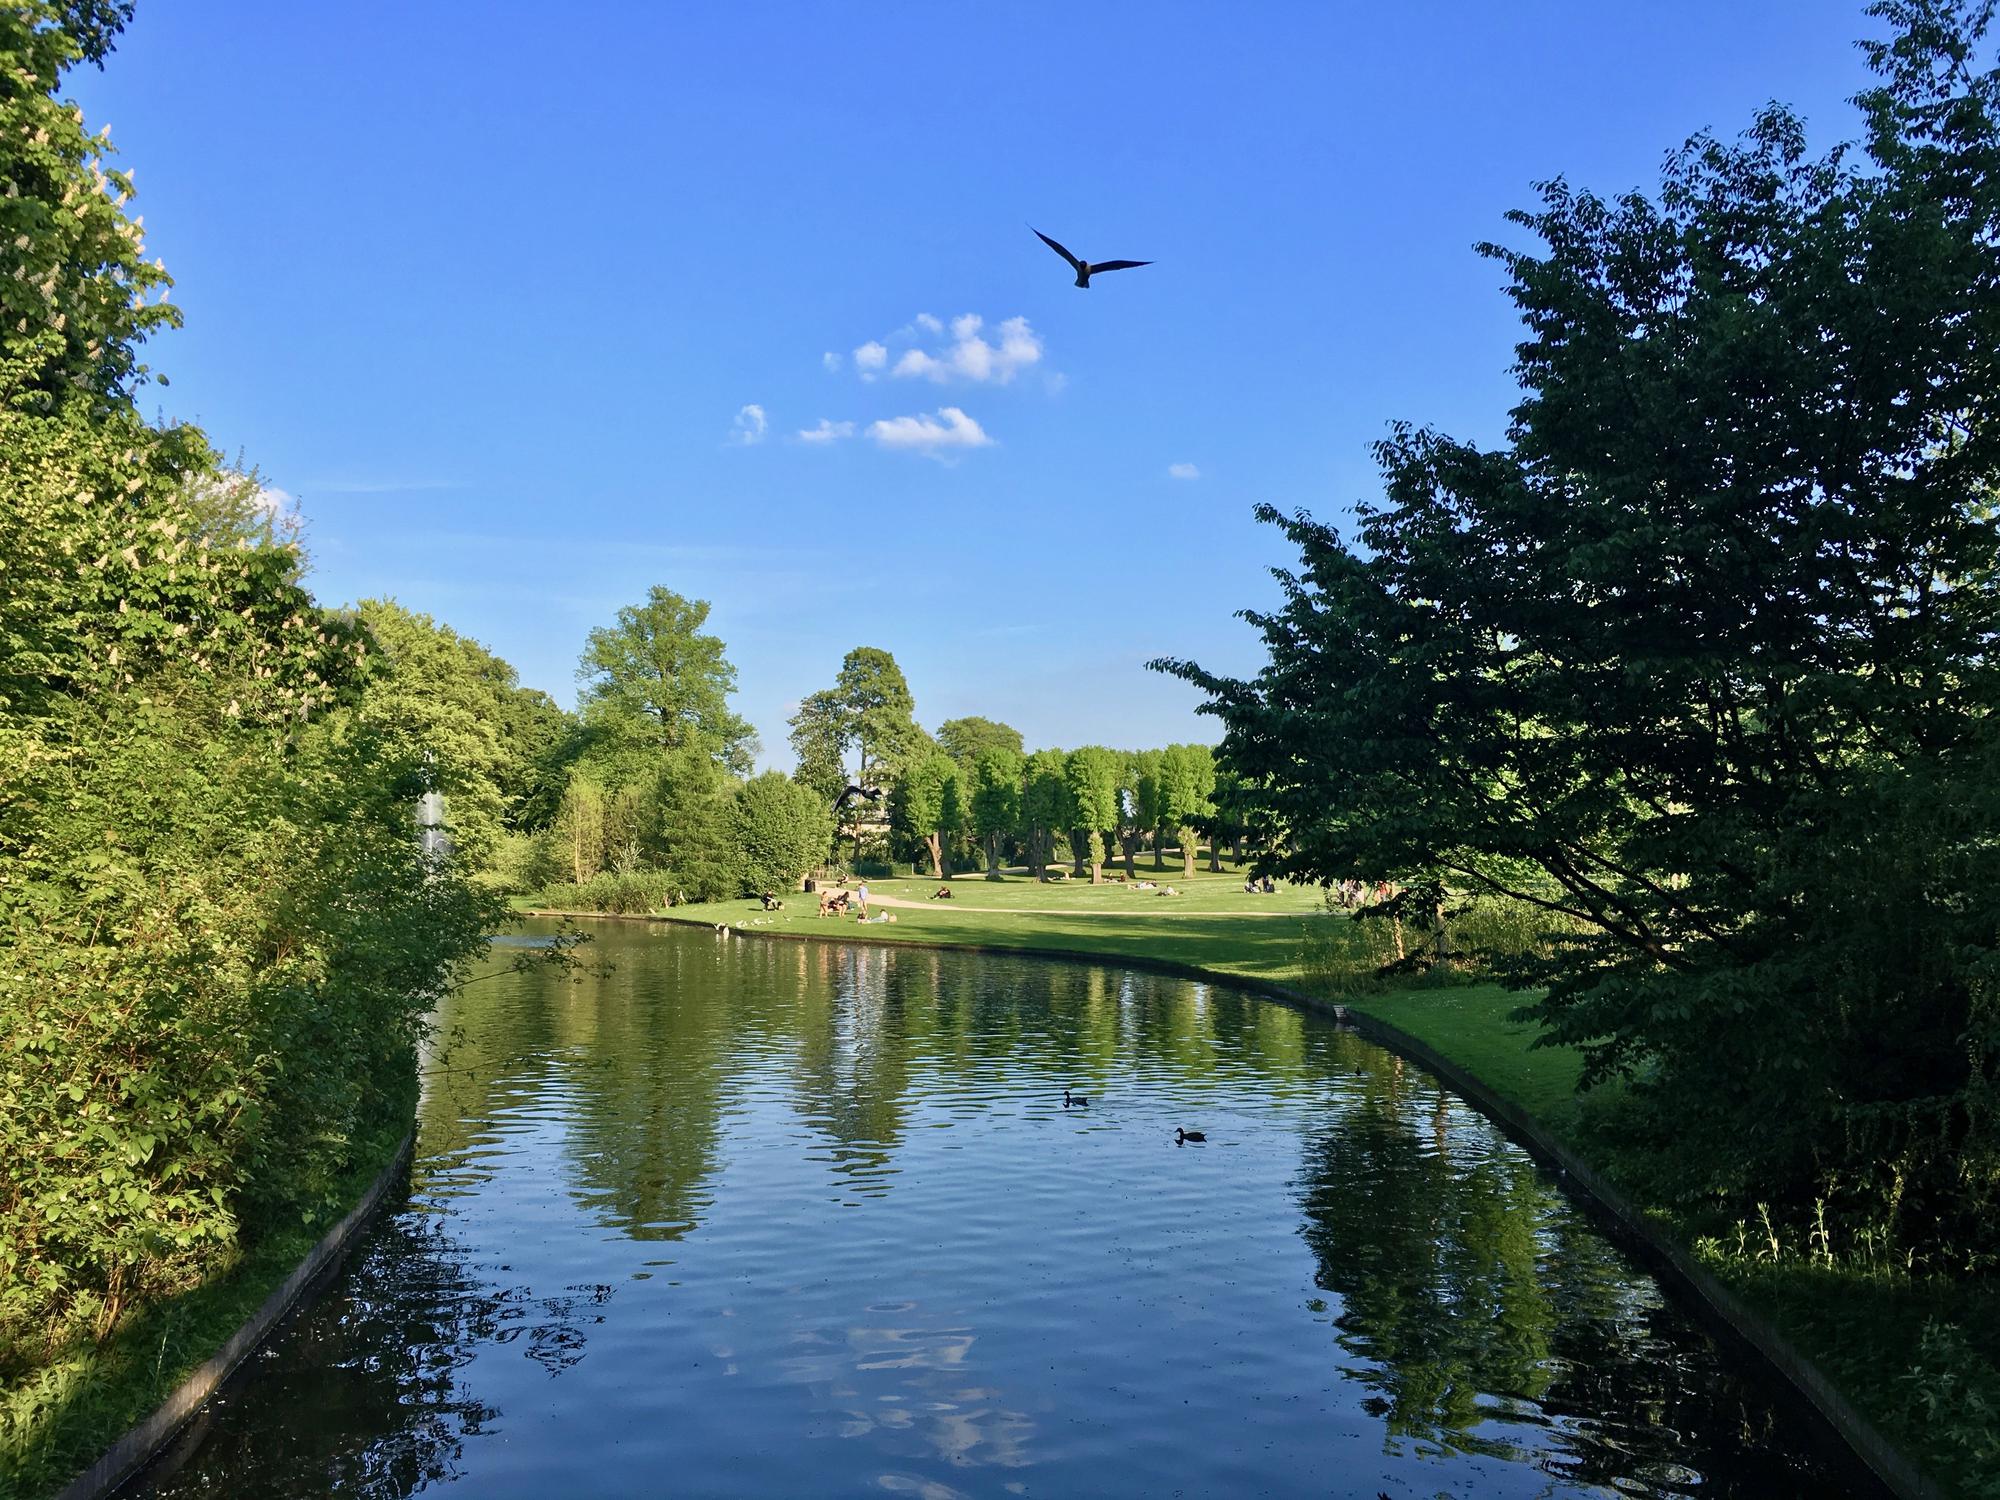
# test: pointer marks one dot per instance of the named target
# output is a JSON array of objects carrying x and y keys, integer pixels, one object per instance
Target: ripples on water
[{"x": 754, "y": 1218}]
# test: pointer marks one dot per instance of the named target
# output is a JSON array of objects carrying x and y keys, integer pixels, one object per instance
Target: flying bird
[{"x": 1083, "y": 268}]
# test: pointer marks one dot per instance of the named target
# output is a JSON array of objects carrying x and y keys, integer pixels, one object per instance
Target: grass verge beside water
[
  {"x": 1919, "y": 1357},
  {"x": 57, "y": 1422}
]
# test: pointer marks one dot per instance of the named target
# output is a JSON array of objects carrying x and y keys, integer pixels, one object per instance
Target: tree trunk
[
  {"x": 1076, "y": 849},
  {"x": 1214, "y": 855},
  {"x": 1188, "y": 839},
  {"x": 936, "y": 843},
  {"x": 1236, "y": 850},
  {"x": 993, "y": 855},
  {"x": 1035, "y": 867},
  {"x": 1160, "y": 848},
  {"x": 1131, "y": 841}
]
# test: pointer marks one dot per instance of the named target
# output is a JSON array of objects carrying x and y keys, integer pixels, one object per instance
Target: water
[{"x": 757, "y": 1218}]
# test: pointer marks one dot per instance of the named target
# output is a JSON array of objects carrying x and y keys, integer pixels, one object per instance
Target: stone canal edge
[{"x": 124, "y": 1459}]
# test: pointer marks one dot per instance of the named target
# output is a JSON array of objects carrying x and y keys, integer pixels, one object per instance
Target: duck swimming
[
  {"x": 1182, "y": 1136},
  {"x": 1077, "y": 1099}
]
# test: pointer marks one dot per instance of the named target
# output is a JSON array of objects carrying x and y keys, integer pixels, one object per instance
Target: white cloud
[
  {"x": 749, "y": 426},
  {"x": 273, "y": 502},
  {"x": 831, "y": 361},
  {"x": 826, "y": 432},
  {"x": 929, "y": 436},
  {"x": 969, "y": 356},
  {"x": 929, "y": 324},
  {"x": 1183, "y": 471},
  {"x": 870, "y": 358}
]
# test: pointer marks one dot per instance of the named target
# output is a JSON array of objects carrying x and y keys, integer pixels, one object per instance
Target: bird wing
[
  {"x": 1116, "y": 265},
  {"x": 1074, "y": 263}
]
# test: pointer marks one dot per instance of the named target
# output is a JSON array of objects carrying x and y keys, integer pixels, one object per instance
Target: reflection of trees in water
[
  {"x": 377, "y": 1365},
  {"x": 1494, "y": 1319},
  {"x": 643, "y": 1122}
]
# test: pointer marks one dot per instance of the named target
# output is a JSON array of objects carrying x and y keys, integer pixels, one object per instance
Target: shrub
[{"x": 632, "y": 894}]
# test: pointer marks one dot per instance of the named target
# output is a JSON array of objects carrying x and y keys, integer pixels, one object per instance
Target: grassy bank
[
  {"x": 55, "y": 1422},
  {"x": 1919, "y": 1357}
]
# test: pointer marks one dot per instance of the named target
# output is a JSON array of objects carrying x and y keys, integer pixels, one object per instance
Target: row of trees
[
  {"x": 1702, "y": 658},
  {"x": 647, "y": 776}
]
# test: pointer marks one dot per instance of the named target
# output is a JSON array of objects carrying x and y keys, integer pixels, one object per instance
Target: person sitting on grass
[
  {"x": 771, "y": 902},
  {"x": 1167, "y": 890},
  {"x": 942, "y": 893}
]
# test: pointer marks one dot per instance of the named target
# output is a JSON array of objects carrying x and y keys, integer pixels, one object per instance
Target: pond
[{"x": 744, "y": 1217}]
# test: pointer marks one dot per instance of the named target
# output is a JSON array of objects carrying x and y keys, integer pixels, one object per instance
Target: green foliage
[
  {"x": 927, "y": 806},
  {"x": 1090, "y": 776},
  {"x": 996, "y": 797},
  {"x": 818, "y": 744},
  {"x": 1707, "y": 647},
  {"x": 694, "y": 835},
  {"x": 876, "y": 712},
  {"x": 783, "y": 830},
  {"x": 1045, "y": 804},
  {"x": 1185, "y": 790},
  {"x": 221, "y": 933},
  {"x": 635, "y": 893},
  {"x": 965, "y": 740},
  {"x": 656, "y": 677}
]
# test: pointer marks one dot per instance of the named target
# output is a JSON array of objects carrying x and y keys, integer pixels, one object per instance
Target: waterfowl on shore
[
  {"x": 1182, "y": 1136},
  {"x": 1077, "y": 1099}
]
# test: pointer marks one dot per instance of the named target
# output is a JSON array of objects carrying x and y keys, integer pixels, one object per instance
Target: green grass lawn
[{"x": 1213, "y": 924}]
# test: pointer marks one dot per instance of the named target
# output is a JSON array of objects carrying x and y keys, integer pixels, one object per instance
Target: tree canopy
[
  {"x": 1702, "y": 656},
  {"x": 657, "y": 666}
]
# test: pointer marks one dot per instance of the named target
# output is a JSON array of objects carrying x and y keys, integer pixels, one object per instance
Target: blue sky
[{"x": 489, "y": 289}]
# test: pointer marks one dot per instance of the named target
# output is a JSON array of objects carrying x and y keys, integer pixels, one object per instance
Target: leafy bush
[{"x": 632, "y": 894}]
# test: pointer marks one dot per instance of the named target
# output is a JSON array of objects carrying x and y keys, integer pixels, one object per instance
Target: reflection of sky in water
[{"x": 774, "y": 1219}]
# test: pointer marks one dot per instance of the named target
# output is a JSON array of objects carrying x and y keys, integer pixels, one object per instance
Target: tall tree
[
  {"x": 929, "y": 806},
  {"x": 819, "y": 744},
  {"x": 658, "y": 668},
  {"x": 879, "y": 713},
  {"x": 1091, "y": 776},
  {"x": 1187, "y": 782},
  {"x": 996, "y": 800},
  {"x": 964, "y": 740},
  {"x": 1149, "y": 802},
  {"x": 1044, "y": 806},
  {"x": 1136, "y": 769},
  {"x": 783, "y": 829},
  {"x": 1702, "y": 657}
]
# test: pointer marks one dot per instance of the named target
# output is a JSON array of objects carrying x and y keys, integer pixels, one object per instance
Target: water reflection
[{"x": 763, "y": 1218}]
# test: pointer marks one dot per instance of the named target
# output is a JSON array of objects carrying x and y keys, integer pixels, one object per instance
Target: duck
[
  {"x": 1077, "y": 1099},
  {"x": 1181, "y": 1137}
]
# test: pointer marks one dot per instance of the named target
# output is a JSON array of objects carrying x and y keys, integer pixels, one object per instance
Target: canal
[{"x": 753, "y": 1218}]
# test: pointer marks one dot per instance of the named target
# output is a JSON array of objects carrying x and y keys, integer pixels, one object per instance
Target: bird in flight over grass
[{"x": 1083, "y": 268}]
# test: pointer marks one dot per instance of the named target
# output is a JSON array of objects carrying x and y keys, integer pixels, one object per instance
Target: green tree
[
  {"x": 657, "y": 668},
  {"x": 1702, "y": 656},
  {"x": 996, "y": 800},
  {"x": 783, "y": 829},
  {"x": 576, "y": 837},
  {"x": 878, "y": 713},
  {"x": 1091, "y": 776},
  {"x": 819, "y": 744},
  {"x": 1186, "y": 785},
  {"x": 928, "y": 805},
  {"x": 1045, "y": 806},
  {"x": 1149, "y": 807},
  {"x": 964, "y": 740},
  {"x": 694, "y": 836}
]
